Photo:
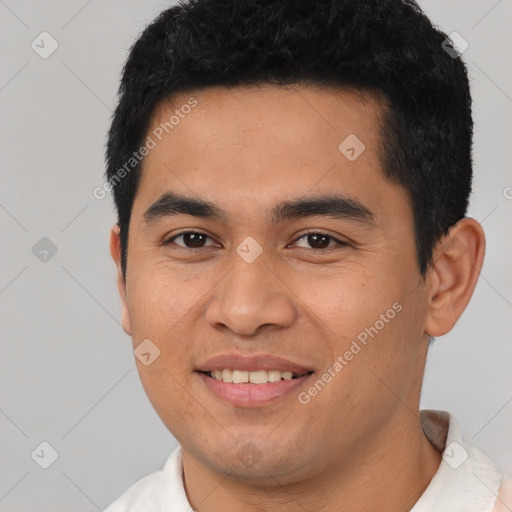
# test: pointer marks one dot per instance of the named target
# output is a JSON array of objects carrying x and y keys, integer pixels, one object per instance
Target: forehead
[
  {"x": 261, "y": 112},
  {"x": 250, "y": 144}
]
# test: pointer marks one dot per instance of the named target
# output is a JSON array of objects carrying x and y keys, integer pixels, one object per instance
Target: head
[{"x": 331, "y": 142}]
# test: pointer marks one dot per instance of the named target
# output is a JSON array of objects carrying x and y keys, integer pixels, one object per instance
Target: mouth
[
  {"x": 252, "y": 380},
  {"x": 253, "y": 389},
  {"x": 258, "y": 377}
]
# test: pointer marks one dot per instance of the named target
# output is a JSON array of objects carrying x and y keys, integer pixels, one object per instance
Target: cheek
[
  {"x": 165, "y": 387},
  {"x": 159, "y": 300},
  {"x": 350, "y": 301}
]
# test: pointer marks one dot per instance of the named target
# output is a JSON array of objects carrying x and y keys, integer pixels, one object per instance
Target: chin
[{"x": 264, "y": 463}]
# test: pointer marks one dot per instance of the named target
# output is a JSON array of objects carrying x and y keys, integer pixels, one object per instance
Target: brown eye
[
  {"x": 191, "y": 240},
  {"x": 319, "y": 241}
]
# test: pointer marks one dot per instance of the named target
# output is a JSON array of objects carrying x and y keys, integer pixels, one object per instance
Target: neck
[{"x": 389, "y": 474}]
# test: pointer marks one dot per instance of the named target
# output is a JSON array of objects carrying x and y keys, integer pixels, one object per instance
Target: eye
[
  {"x": 191, "y": 239},
  {"x": 319, "y": 240},
  {"x": 195, "y": 240}
]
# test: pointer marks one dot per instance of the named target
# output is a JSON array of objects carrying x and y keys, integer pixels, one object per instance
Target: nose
[{"x": 251, "y": 297}]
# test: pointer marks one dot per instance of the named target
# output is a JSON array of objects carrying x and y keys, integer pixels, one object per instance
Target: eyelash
[{"x": 340, "y": 244}]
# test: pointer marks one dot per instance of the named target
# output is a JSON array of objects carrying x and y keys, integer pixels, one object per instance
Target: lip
[
  {"x": 247, "y": 394},
  {"x": 250, "y": 363},
  {"x": 253, "y": 395}
]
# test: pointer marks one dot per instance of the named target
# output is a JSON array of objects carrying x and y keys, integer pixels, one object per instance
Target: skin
[{"x": 358, "y": 442}]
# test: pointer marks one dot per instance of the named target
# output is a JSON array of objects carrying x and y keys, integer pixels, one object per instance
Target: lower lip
[{"x": 252, "y": 395}]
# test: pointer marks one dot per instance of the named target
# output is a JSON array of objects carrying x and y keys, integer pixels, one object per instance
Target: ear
[
  {"x": 457, "y": 262},
  {"x": 115, "y": 252}
]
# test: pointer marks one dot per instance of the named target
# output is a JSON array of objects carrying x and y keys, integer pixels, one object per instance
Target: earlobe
[
  {"x": 115, "y": 252},
  {"x": 457, "y": 262}
]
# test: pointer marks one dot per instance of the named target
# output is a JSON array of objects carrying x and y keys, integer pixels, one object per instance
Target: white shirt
[{"x": 466, "y": 481}]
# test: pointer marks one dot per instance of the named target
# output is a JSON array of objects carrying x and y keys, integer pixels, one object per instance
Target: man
[{"x": 291, "y": 180}]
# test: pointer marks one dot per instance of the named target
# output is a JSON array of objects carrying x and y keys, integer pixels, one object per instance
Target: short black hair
[{"x": 385, "y": 46}]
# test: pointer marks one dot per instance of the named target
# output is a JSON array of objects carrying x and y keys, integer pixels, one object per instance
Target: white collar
[{"x": 467, "y": 480}]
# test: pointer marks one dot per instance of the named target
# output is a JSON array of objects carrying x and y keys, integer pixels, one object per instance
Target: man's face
[{"x": 310, "y": 289}]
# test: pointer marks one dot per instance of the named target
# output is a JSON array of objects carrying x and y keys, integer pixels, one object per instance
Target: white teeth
[
  {"x": 240, "y": 376},
  {"x": 258, "y": 377},
  {"x": 227, "y": 375},
  {"x": 274, "y": 375},
  {"x": 254, "y": 377}
]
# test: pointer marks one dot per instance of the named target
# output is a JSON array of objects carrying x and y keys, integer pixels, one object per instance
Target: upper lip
[{"x": 252, "y": 363}]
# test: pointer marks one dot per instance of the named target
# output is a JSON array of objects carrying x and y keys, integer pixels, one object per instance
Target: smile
[
  {"x": 253, "y": 377},
  {"x": 252, "y": 389}
]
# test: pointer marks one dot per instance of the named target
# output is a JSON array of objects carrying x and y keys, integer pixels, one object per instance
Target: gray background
[{"x": 67, "y": 372}]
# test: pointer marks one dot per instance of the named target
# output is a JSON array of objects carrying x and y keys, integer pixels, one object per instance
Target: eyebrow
[{"x": 336, "y": 206}]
